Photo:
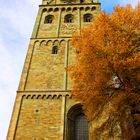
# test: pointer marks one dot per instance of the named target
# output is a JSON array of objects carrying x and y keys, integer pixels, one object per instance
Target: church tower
[{"x": 44, "y": 109}]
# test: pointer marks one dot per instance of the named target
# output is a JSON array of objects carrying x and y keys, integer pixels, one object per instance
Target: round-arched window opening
[
  {"x": 69, "y": 18},
  {"x": 49, "y": 19},
  {"x": 81, "y": 1},
  {"x": 54, "y": 50},
  {"x": 88, "y": 18},
  {"x": 81, "y": 127},
  {"x": 77, "y": 124}
]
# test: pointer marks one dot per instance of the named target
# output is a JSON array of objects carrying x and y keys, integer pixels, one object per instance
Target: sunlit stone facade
[{"x": 44, "y": 108}]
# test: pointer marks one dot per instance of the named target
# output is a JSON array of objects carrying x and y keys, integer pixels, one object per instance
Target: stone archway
[{"x": 77, "y": 123}]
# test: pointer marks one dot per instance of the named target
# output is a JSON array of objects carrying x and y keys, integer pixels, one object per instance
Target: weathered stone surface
[{"x": 43, "y": 98}]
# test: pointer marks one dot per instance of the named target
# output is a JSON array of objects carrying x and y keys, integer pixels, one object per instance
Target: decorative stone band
[
  {"x": 45, "y": 96},
  {"x": 69, "y": 8}
]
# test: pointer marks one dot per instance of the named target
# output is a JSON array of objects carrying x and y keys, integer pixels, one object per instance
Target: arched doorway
[{"x": 77, "y": 124}]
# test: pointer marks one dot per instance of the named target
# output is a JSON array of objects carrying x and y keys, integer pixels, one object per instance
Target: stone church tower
[{"x": 44, "y": 109}]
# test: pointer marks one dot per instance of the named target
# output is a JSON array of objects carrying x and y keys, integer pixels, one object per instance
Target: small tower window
[
  {"x": 49, "y": 19},
  {"x": 55, "y": 50},
  {"x": 68, "y": 18},
  {"x": 81, "y": 1},
  {"x": 88, "y": 18}
]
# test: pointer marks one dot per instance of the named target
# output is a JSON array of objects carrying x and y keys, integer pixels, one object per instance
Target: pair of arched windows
[{"x": 69, "y": 18}]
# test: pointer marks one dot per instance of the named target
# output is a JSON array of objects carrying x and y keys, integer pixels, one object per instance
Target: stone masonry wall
[
  {"x": 43, "y": 97},
  {"x": 39, "y": 119}
]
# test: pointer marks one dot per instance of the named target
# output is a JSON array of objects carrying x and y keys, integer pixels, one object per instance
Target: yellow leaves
[{"x": 108, "y": 48}]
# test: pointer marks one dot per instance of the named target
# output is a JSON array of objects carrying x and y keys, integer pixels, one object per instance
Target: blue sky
[{"x": 16, "y": 21}]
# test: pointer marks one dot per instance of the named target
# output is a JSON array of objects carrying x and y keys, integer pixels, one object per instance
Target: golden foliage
[{"x": 108, "y": 64}]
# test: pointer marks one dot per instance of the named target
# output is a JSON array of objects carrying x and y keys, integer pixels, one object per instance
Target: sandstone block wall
[{"x": 44, "y": 98}]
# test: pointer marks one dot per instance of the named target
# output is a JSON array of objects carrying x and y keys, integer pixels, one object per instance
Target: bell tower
[{"x": 44, "y": 109}]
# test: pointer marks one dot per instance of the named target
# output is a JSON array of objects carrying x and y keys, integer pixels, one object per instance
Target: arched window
[
  {"x": 81, "y": 127},
  {"x": 81, "y": 1},
  {"x": 88, "y": 17},
  {"x": 68, "y": 18},
  {"x": 49, "y": 19},
  {"x": 77, "y": 124},
  {"x": 55, "y": 50}
]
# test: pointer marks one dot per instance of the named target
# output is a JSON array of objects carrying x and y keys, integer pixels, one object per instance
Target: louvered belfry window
[{"x": 77, "y": 124}]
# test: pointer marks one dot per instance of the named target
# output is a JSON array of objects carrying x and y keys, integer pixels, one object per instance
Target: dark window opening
[
  {"x": 77, "y": 124},
  {"x": 81, "y": 127},
  {"x": 55, "y": 50},
  {"x": 68, "y": 18},
  {"x": 88, "y": 18},
  {"x": 136, "y": 138},
  {"x": 81, "y": 1},
  {"x": 37, "y": 110},
  {"x": 49, "y": 19}
]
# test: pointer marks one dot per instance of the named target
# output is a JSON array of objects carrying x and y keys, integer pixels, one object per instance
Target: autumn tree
[{"x": 107, "y": 73}]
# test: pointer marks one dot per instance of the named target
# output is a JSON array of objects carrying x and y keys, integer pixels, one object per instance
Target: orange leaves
[{"x": 108, "y": 48}]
